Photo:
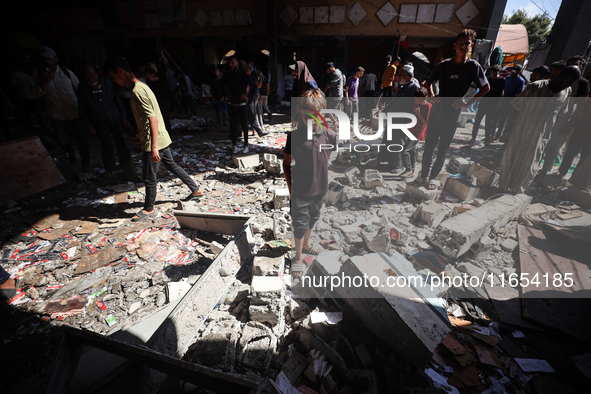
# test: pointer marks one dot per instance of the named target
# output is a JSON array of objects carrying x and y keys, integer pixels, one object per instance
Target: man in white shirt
[{"x": 58, "y": 88}]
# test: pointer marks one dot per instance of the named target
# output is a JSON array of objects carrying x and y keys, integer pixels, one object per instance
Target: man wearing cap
[
  {"x": 58, "y": 88},
  {"x": 334, "y": 87}
]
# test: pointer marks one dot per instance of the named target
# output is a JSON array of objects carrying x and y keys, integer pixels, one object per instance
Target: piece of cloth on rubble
[{"x": 534, "y": 123}]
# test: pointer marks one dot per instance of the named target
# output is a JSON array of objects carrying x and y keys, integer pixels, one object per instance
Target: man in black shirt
[
  {"x": 102, "y": 110},
  {"x": 236, "y": 84},
  {"x": 455, "y": 75},
  {"x": 489, "y": 106}
]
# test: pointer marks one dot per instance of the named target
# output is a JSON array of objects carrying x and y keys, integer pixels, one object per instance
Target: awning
[{"x": 513, "y": 39}]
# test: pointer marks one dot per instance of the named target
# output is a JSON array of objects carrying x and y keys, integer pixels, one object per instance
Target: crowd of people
[
  {"x": 512, "y": 115},
  {"x": 105, "y": 102}
]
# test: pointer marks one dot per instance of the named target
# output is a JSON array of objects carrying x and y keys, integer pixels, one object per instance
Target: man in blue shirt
[{"x": 514, "y": 84}]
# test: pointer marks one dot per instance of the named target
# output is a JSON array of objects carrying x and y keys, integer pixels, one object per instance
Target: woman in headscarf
[{"x": 303, "y": 78}]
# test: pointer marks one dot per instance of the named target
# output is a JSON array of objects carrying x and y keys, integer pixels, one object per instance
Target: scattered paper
[
  {"x": 533, "y": 365},
  {"x": 284, "y": 385},
  {"x": 440, "y": 381}
]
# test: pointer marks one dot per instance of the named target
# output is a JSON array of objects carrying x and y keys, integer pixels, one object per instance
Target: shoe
[
  {"x": 264, "y": 133},
  {"x": 235, "y": 149},
  {"x": 192, "y": 197},
  {"x": 245, "y": 150}
]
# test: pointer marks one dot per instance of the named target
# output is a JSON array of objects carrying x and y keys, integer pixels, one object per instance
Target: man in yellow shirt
[
  {"x": 388, "y": 76},
  {"x": 152, "y": 134}
]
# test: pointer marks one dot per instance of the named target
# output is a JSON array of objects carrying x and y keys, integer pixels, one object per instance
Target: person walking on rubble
[
  {"x": 308, "y": 179},
  {"x": 152, "y": 134},
  {"x": 455, "y": 75}
]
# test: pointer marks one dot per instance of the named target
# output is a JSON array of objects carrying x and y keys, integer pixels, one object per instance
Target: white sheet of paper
[
  {"x": 534, "y": 365},
  {"x": 329, "y": 317},
  {"x": 285, "y": 385}
]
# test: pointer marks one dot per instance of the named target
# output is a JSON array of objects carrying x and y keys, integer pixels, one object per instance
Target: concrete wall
[{"x": 571, "y": 32}]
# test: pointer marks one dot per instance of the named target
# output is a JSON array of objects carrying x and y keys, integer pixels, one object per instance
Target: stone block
[
  {"x": 421, "y": 193},
  {"x": 456, "y": 235},
  {"x": 373, "y": 178},
  {"x": 377, "y": 239},
  {"x": 272, "y": 164},
  {"x": 430, "y": 213},
  {"x": 266, "y": 284},
  {"x": 351, "y": 175},
  {"x": 509, "y": 244},
  {"x": 216, "y": 247},
  {"x": 541, "y": 211},
  {"x": 483, "y": 175},
  {"x": 458, "y": 165},
  {"x": 268, "y": 266},
  {"x": 461, "y": 189},
  {"x": 176, "y": 290},
  {"x": 265, "y": 313},
  {"x": 281, "y": 198},
  {"x": 247, "y": 161},
  {"x": 335, "y": 194}
]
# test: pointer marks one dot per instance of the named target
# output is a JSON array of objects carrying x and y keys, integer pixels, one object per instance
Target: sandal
[
  {"x": 191, "y": 197},
  {"x": 434, "y": 184},
  {"x": 315, "y": 250},
  {"x": 142, "y": 216},
  {"x": 296, "y": 268}
]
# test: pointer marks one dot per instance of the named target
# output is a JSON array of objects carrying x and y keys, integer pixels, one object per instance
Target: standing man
[
  {"x": 58, "y": 88},
  {"x": 534, "y": 123},
  {"x": 253, "y": 98},
  {"x": 102, "y": 110},
  {"x": 334, "y": 87},
  {"x": 152, "y": 134},
  {"x": 455, "y": 75},
  {"x": 388, "y": 76},
  {"x": 514, "y": 85},
  {"x": 489, "y": 106},
  {"x": 236, "y": 86},
  {"x": 351, "y": 91}
]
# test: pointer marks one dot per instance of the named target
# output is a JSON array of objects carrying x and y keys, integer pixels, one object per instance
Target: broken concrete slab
[
  {"x": 268, "y": 266},
  {"x": 421, "y": 193},
  {"x": 247, "y": 161},
  {"x": 373, "y": 178},
  {"x": 281, "y": 198},
  {"x": 401, "y": 316},
  {"x": 456, "y": 235},
  {"x": 483, "y": 175},
  {"x": 430, "y": 213},
  {"x": 351, "y": 175},
  {"x": 176, "y": 290},
  {"x": 462, "y": 189},
  {"x": 509, "y": 244}
]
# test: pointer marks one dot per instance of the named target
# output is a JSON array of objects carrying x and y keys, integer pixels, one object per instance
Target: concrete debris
[
  {"x": 483, "y": 175},
  {"x": 247, "y": 161},
  {"x": 373, "y": 178},
  {"x": 281, "y": 198},
  {"x": 268, "y": 266},
  {"x": 458, "y": 165},
  {"x": 272, "y": 164},
  {"x": 351, "y": 174},
  {"x": 430, "y": 213},
  {"x": 176, "y": 290},
  {"x": 456, "y": 235},
  {"x": 462, "y": 189},
  {"x": 420, "y": 193}
]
